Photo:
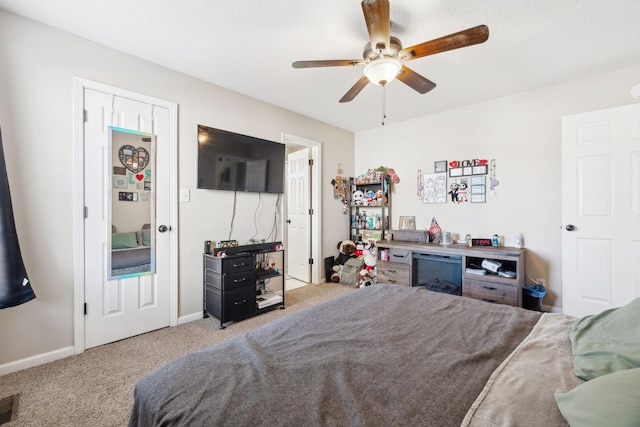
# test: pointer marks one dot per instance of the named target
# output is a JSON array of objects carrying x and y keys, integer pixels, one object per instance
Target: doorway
[
  {"x": 600, "y": 210},
  {"x": 312, "y": 195},
  {"x": 108, "y": 309}
]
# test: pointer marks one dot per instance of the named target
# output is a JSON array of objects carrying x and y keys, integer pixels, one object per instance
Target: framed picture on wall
[
  {"x": 434, "y": 187},
  {"x": 440, "y": 166},
  {"x": 120, "y": 182}
]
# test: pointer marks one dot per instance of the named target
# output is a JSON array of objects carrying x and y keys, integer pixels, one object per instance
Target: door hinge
[
  {"x": 85, "y": 308},
  {"x": 310, "y": 261},
  {"x": 311, "y": 211},
  {"x": 310, "y": 162},
  {"x": 86, "y": 212},
  {"x": 84, "y": 116}
]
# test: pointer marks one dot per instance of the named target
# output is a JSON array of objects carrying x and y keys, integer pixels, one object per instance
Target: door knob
[
  {"x": 163, "y": 228},
  {"x": 570, "y": 227}
]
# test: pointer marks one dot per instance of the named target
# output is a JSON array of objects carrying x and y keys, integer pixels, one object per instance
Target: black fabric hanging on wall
[{"x": 15, "y": 288}]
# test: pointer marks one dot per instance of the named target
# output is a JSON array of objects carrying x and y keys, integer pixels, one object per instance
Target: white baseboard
[
  {"x": 189, "y": 318},
  {"x": 39, "y": 359},
  {"x": 551, "y": 309}
]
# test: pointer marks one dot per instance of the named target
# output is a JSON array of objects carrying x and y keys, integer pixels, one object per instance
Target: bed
[
  {"x": 384, "y": 355},
  {"x": 131, "y": 251}
]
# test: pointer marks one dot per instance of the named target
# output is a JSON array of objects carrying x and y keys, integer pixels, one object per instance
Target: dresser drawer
[
  {"x": 230, "y": 264},
  {"x": 236, "y": 264},
  {"x": 239, "y": 302},
  {"x": 393, "y": 272},
  {"x": 490, "y": 291},
  {"x": 399, "y": 255},
  {"x": 237, "y": 280}
]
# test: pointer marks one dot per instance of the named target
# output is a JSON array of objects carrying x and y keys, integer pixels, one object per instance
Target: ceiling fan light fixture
[{"x": 382, "y": 71}]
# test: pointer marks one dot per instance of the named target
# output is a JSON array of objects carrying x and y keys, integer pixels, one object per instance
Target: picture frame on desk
[{"x": 407, "y": 223}]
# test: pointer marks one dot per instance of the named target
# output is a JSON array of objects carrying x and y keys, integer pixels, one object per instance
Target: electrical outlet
[{"x": 541, "y": 281}]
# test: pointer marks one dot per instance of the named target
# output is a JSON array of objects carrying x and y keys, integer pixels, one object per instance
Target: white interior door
[
  {"x": 298, "y": 216},
  {"x": 120, "y": 308},
  {"x": 601, "y": 210}
]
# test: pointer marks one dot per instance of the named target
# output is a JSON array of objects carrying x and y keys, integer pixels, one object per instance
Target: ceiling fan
[{"x": 383, "y": 55}]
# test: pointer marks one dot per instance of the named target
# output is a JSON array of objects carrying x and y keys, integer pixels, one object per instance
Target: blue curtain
[{"x": 15, "y": 287}]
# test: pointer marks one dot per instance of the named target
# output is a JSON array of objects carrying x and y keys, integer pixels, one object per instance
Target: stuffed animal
[
  {"x": 369, "y": 198},
  {"x": 392, "y": 176},
  {"x": 365, "y": 278},
  {"x": 357, "y": 198},
  {"x": 346, "y": 249}
]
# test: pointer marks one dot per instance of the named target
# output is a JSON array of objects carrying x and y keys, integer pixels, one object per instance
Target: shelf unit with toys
[{"x": 369, "y": 207}]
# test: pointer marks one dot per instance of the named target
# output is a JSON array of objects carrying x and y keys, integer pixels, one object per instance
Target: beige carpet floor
[{"x": 95, "y": 388}]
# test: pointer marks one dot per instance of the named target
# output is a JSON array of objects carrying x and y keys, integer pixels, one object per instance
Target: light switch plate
[{"x": 184, "y": 195}]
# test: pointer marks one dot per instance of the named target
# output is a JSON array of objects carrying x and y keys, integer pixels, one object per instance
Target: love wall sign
[{"x": 468, "y": 167}]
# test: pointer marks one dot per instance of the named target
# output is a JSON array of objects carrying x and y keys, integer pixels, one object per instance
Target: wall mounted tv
[{"x": 230, "y": 161}]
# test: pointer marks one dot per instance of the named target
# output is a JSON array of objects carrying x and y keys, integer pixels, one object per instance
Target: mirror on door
[{"x": 132, "y": 207}]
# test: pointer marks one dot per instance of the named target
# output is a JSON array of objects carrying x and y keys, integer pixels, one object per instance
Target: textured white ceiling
[{"x": 248, "y": 46}]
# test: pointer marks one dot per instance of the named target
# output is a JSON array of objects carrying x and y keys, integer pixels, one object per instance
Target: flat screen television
[{"x": 235, "y": 162}]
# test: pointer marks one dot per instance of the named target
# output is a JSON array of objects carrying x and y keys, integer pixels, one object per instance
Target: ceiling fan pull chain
[{"x": 384, "y": 104}]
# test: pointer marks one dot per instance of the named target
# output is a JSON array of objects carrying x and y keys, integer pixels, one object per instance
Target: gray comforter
[{"x": 384, "y": 355}]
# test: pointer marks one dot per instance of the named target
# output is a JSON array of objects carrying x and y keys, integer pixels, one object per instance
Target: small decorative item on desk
[
  {"x": 407, "y": 223},
  {"x": 481, "y": 242},
  {"x": 435, "y": 231},
  {"x": 517, "y": 240},
  {"x": 495, "y": 240},
  {"x": 467, "y": 240}
]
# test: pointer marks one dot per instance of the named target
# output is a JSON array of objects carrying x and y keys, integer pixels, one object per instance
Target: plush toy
[
  {"x": 392, "y": 175},
  {"x": 359, "y": 249},
  {"x": 389, "y": 171},
  {"x": 379, "y": 197},
  {"x": 369, "y": 198},
  {"x": 365, "y": 278},
  {"x": 346, "y": 249},
  {"x": 357, "y": 198}
]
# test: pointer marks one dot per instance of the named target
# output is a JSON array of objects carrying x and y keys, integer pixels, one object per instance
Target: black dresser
[{"x": 247, "y": 280}]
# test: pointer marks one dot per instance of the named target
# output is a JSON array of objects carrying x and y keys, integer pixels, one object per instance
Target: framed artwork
[
  {"x": 453, "y": 172},
  {"x": 440, "y": 166},
  {"x": 119, "y": 170},
  {"x": 407, "y": 223},
  {"x": 120, "y": 182},
  {"x": 434, "y": 188},
  {"x": 127, "y": 196},
  {"x": 478, "y": 189},
  {"x": 480, "y": 170}
]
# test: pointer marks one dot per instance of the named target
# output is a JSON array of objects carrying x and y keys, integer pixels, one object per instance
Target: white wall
[
  {"x": 522, "y": 132},
  {"x": 37, "y": 66}
]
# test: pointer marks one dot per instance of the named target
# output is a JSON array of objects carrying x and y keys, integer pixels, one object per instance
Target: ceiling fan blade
[
  {"x": 376, "y": 15},
  {"x": 415, "y": 81},
  {"x": 355, "y": 89},
  {"x": 327, "y": 63},
  {"x": 464, "y": 38}
]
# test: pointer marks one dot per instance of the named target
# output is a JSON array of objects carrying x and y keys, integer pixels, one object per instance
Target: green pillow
[
  {"x": 146, "y": 237},
  {"x": 609, "y": 400},
  {"x": 607, "y": 342},
  {"x": 123, "y": 240}
]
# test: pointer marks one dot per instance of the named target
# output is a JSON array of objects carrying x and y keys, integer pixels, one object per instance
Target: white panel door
[
  {"x": 120, "y": 308},
  {"x": 601, "y": 210},
  {"x": 299, "y": 218}
]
